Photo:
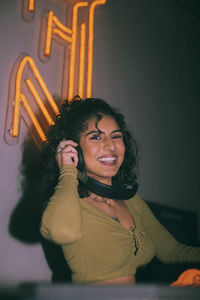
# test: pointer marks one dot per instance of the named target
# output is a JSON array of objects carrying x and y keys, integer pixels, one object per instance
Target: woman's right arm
[{"x": 61, "y": 220}]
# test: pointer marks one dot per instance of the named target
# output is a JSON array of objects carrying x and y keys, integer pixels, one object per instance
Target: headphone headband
[{"x": 116, "y": 191}]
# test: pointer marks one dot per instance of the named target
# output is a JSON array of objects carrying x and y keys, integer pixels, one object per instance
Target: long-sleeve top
[{"x": 96, "y": 247}]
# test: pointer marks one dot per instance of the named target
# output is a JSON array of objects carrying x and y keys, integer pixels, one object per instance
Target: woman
[{"x": 105, "y": 229}]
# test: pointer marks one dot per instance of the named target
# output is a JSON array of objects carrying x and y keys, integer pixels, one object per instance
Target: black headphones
[
  {"x": 116, "y": 191},
  {"x": 81, "y": 162}
]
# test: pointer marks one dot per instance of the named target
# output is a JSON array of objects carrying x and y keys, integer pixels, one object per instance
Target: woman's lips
[{"x": 108, "y": 160}]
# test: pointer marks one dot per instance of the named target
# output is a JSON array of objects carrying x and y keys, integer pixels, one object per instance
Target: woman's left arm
[{"x": 168, "y": 249}]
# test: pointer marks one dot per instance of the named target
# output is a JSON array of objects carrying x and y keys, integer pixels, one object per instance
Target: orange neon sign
[
  {"x": 18, "y": 94},
  {"x": 70, "y": 36},
  {"x": 80, "y": 37}
]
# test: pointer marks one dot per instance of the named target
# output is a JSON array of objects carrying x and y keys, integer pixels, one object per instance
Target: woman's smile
[{"x": 108, "y": 160}]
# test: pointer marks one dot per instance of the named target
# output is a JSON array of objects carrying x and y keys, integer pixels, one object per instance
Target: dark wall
[{"x": 148, "y": 65}]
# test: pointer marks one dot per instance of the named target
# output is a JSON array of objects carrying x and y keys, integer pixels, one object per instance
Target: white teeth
[{"x": 107, "y": 159}]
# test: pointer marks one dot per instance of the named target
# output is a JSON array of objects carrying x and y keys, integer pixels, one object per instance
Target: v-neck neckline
[{"x": 130, "y": 229}]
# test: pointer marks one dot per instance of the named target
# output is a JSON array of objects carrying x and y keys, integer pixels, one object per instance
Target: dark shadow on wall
[{"x": 25, "y": 219}]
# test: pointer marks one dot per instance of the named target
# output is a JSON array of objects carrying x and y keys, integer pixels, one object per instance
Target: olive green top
[{"x": 96, "y": 247}]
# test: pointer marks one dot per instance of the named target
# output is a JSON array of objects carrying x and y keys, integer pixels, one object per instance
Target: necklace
[
  {"x": 107, "y": 202},
  {"x": 115, "y": 217}
]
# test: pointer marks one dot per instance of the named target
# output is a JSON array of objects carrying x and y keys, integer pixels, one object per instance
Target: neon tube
[
  {"x": 50, "y": 30},
  {"x": 33, "y": 118},
  {"x": 62, "y": 35},
  {"x": 31, "y": 5},
  {"x": 47, "y": 49},
  {"x": 90, "y": 45},
  {"x": 61, "y": 26},
  {"x": 45, "y": 90},
  {"x": 39, "y": 101},
  {"x": 82, "y": 59},
  {"x": 73, "y": 48}
]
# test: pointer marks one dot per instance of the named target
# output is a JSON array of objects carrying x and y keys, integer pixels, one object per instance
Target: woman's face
[{"x": 103, "y": 149}]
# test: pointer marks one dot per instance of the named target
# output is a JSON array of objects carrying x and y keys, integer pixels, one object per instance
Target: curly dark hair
[{"x": 71, "y": 122}]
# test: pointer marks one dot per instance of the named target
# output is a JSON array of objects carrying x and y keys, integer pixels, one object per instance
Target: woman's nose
[{"x": 109, "y": 144}]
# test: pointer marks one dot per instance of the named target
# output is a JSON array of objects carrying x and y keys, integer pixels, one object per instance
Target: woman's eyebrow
[
  {"x": 117, "y": 130},
  {"x": 100, "y": 132},
  {"x": 94, "y": 131}
]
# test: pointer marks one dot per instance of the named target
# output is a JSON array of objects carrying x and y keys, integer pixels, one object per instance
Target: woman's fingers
[
  {"x": 66, "y": 153},
  {"x": 66, "y": 143}
]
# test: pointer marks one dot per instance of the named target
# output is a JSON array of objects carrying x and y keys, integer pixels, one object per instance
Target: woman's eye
[
  {"x": 117, "y": 136},
  {"x": 96, "y": 137}
]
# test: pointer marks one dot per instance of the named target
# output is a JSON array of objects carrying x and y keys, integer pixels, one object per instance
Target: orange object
[
  {"x": 82, "y": 59},
  {"x": 84, "y": 65},
  {"x": 73, "y": 47},
  {"x": 70, "y": 35},
  {"x": 33, "y": 118},
  {"x": 90, "y": 45},
  {"x": 31, "y": 5},
  {"x": 27, "y": 60},
  {"x": 190, "y": 277}
]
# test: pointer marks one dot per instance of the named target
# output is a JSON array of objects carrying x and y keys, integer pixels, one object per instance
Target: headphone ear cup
[{"x": 81, "y": 163}]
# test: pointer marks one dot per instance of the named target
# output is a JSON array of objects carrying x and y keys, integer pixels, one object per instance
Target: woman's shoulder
[
  {"x": 137, "y": 200},
  {"x": 136, "y": 203}
]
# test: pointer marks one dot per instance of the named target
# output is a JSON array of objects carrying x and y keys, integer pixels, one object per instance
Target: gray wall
[{"x": 146, "y": 61}]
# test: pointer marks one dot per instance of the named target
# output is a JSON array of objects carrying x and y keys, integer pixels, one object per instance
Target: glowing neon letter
[
  {"x": 70, "y": 35},
  {"x": 19, "y": 96}
]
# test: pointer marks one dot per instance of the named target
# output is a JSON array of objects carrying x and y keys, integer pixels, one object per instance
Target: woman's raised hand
[{"x": 66, "y": 153}]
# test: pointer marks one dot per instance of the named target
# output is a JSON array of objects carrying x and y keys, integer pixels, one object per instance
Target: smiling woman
[{"x": 105, "y": 229}]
